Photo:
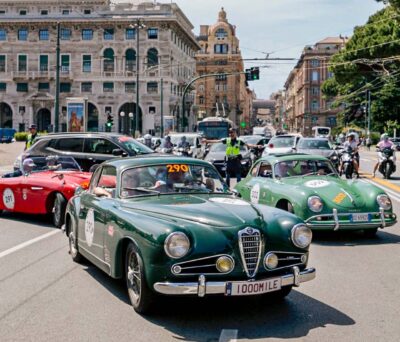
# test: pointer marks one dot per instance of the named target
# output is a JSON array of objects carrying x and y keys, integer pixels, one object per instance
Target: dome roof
[{"x": 222, "y": 23}]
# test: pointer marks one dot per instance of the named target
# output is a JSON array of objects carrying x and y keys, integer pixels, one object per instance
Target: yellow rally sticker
[{"x": 339, "y": 198}]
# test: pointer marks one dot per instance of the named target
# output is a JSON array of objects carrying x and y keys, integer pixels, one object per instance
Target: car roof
[
  {"x": 84, "y": 134},
  {"x": 145, "y": 160},
  {"x": 275, "y": 158},
  {"x": 315, "y": 138}
]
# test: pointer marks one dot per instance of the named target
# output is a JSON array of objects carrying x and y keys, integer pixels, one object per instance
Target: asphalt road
[{"x": 44, "y": 296}]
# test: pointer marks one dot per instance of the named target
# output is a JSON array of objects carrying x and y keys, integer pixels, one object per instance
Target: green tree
[{"x": 370, "y": 62}]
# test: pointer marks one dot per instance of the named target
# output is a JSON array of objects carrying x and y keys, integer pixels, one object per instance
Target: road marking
[
  {"x": 228, "y": 335},
  {"x": 393, "y": 195},
  {"x": 382, "y": 182},
  {"x": 28, "y": 243}
]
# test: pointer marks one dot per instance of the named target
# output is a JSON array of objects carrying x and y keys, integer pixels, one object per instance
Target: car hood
[
  {"x": 217, "y": 211},
  {"x": 334, "y": 191},
  {"x": 211, "y": 156},
  {"x": 318, "y": 152}
]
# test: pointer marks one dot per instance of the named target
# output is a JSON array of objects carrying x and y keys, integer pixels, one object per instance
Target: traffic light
[
  {"x": 110, "y": 121},
  {"x": 253, "y": 74}
]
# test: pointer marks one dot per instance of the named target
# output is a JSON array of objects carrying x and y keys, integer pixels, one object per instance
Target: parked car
[
  {"x": 217, "y": 153},
  {"x": 285, "y": 143},
  {"x": 86, "y": 148},
  {"x": 170, "y": 226},
  {"x": 309, "y": 187},
  {"x": 7, "y": 135},
  {"x": 319, "y": 146},
  {"x": 45, "y": 189}
]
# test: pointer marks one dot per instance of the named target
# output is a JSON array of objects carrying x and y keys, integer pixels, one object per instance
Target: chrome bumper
[
  {"x": 202, "y": 287},
  {"x": 385, "y": 220}
]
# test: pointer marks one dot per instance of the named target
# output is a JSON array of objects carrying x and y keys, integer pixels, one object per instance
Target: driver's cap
[{"x": 28, "y": 162}]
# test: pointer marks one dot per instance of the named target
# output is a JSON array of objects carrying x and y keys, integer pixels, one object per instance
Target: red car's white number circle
[{"x": 8, "y": 198}]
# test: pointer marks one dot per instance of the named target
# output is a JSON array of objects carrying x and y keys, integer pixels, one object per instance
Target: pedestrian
[
  {"x": 232, "y": 155},
  {"x": 368, "y": 142},
  {"x": 31, "y": 136}
]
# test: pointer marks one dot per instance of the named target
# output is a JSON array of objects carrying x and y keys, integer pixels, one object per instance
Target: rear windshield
[
  {"x": 282, "y": 141},
  {"x": 314, "y": 144}
]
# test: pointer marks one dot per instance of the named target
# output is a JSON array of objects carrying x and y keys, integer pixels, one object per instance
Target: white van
[{"x": 264, "y": 131}]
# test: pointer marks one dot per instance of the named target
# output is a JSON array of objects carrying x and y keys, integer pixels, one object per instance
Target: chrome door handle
[{"x": 37, "y": 188}]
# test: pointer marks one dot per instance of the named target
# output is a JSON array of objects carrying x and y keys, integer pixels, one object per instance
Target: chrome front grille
[{"x": 250, "y": 245}]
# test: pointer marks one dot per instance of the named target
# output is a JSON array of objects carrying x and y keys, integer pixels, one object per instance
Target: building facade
[
  {"x": 305, "y": 105},
  {"x": 98, "y": 56},
  {"x": 225, "y": 95}
]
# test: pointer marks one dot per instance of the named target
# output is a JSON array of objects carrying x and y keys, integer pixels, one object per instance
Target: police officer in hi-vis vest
[
  {"x": 31, "y": 136},
  {"x": 232, "y": 154}
]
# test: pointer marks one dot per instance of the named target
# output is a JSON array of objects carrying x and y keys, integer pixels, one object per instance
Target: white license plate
[
  {"x": 249, "y": 288},
  {"x": 360, "y": 217}
]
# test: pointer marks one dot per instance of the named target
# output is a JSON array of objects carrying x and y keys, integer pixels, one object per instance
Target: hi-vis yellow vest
[{"x": 232, "y": 150}]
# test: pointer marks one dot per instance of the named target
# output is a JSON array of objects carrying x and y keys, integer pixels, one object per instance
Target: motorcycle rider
[
  {"x": 384, "y": 143},
  {"x": 184, "y": 143},
  {"x": 167, "y": 145},
  {"x": 147, "y": 140},
  {"x": 351, "y": 146}
]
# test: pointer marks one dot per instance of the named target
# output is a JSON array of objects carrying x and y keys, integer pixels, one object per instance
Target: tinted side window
[
  {"x": 69, "y": 144},
  {"x": 101, "y": 146}
]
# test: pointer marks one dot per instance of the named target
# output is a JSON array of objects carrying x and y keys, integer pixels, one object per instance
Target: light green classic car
[
  {"x": 169, "y": 226},
  {"x": 309, "y": 187}
]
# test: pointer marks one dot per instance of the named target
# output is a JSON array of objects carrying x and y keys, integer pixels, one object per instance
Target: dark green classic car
[
  {"x": 170, "y": 226},
  {"x": 309, "y": 187}
]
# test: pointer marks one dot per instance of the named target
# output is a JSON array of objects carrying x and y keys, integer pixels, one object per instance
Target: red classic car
[{"x": 43, "y": 186}]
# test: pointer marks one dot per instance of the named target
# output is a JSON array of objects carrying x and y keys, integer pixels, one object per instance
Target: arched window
[
  {"x": 130, "y": 60},
  {"x": 221, "y": 33},
  {"x": 108, "y": 57},
  {"x": 152, "y": 57}
]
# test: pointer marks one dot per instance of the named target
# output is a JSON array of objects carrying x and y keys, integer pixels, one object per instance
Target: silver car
[{"x": 318, "y": 146}]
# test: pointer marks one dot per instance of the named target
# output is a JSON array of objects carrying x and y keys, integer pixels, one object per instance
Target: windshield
[
  {"x": 323, "y": 131},
  {"x": 50, "y": 163},
  {"x": 214, "y": 130},
  {"x": 133, "y": 146},
  {"x": 220, "y": 147},
  {"x": 282, "y": 141},
  {"x": 176, "y": 139},
  {"x": 170, "y": 179},
  {"x": 314, "y": 145},
  {"x": 298, "y": 168},
  {"x": 251, "y": 139}
]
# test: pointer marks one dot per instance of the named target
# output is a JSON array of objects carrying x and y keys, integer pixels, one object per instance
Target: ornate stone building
[
  {"x": 98, "y": 61},
  {"x": 305, "y": 104},
  {"x": 220, "y": 53}
]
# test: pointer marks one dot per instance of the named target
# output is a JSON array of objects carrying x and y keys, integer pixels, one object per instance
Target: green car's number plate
[
  {"x": 248, "y": 288},
  {"x": 360, "y": 217}
]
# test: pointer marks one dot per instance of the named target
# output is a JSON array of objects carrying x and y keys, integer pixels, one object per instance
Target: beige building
[
  {"x": 225, "y": 95},
  {"x": 98, "y": 45},
  {"x": 305, "y": 105}
]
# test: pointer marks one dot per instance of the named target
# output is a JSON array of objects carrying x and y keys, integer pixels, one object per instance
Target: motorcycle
[
  {"x": 347, "y": 158},
  {"x": 387, "y": 159},
  {"x": 166, "y": 150},
  {"x": 183, "y": 151}
]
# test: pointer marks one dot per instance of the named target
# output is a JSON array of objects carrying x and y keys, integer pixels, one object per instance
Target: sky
[{"x": 279, "y": 27}]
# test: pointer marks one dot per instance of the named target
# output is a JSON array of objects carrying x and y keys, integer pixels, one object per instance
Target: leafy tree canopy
[{"x": 369, "y": 62}]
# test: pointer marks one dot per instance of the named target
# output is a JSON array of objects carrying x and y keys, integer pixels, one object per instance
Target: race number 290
[{"x": 172, "y": 168}]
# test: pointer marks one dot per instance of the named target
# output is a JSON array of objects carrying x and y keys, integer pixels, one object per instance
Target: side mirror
[
  {"x": 78, "y": 191},
  {"x": 117, "y": 152},
  {"x": 235, "y": 193}
]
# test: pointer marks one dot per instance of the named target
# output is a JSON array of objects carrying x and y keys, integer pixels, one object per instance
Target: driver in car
[{"x": 27, "y": 167}]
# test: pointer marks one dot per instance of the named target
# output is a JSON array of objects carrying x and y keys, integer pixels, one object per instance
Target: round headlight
[
  {"x": 176, "y": 245},
  {"x": 301, "y": 236},
  {"x": 384, "y": 202},
  {"x": 271, "y": 261},
  {"x": 224, "y": 264},
  {"x": 315, "y": 204}
]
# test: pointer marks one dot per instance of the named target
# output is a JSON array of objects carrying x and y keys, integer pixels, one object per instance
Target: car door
[
  {"x": 11, "y": 195},
  {"x": 99, "y": 149},
  {"x": 93, "y": 214},
  {"x": 70, "y": 146},
  {"x": 35, "y": 189}
]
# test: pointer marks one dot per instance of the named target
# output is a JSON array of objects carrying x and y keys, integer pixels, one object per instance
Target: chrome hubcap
[
  {"x": 72, "y": 244},
  {"x": 133, "y": 276},
  {"x": 56, "y": 211}
]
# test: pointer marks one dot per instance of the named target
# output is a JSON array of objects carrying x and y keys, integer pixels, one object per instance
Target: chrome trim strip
[
  {"x": 182, "y": 265},
  {"x": 255, "y": 232},
  {"x": 201, "y": 292},
  {"x": 37, "y": 188},
  {"x": 219, "y": 287},
  {"x": 296, "y": 276}
]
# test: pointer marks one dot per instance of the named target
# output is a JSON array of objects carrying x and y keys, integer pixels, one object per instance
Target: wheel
[
  {"x": 73, "y": 248},
  {"x": 60, "y": 203},
  {"x": 370, "y": 233},
  {"x": 141, "y": 297},
  {"x": 348, "y": 171},
  {"x": 388, "y": 171}
]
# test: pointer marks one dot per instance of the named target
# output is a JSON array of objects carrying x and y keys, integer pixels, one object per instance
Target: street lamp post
[
  {"x": 122, "y": 114},
  {"x": 57, "y": 99},
  {"x": 130, "y": 122}
]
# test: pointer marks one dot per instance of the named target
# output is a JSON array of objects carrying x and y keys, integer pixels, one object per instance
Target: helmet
[
  {"x": 341, "y": 135},
  {"x": 168, "y": 138},
  {"x": 183, "y": 138},
  {"x": 147, "y": 137},
  {"x": 384, "y": 136},
  {"x": 351, "y": 135}
]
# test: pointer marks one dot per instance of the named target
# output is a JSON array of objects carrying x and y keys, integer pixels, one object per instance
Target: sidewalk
[{"x": 8, "y": 154}]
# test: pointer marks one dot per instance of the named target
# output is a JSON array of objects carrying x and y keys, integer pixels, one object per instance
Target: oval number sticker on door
[
  {"x": 8, "y": 198},
  {"x": 255, "y": 194},
  {"x": 89, "y": 227}
]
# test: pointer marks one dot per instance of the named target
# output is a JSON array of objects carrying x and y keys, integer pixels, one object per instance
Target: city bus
[{"x": 214, "y": 127}]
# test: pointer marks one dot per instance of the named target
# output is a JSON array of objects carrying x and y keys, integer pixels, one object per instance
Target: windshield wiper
[{"x": 309, "y": 174}]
